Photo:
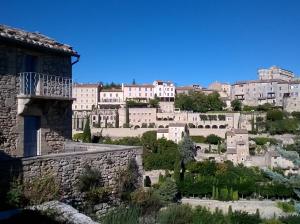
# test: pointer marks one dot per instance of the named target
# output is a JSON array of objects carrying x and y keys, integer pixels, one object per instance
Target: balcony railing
[{"x": 37, "y": 84}]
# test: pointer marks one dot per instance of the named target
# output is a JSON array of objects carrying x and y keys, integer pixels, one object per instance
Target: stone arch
[
  {"x": 160, "y": 126},
  {"x": 222, "y": 126},
  {"x": 215, "y": 127},
  {"x": 136, "y": 126},
  {"x": 207, "y": 126},
  {"x": 200, "y": 126},
  {"x": 167, "y": 126}
]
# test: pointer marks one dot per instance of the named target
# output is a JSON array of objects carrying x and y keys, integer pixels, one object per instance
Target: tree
[
  {"x": 187, "y": 149},
  {"x": 87, "y": 136},
  {"x": 213, "y": 139},
  {"x": 167, "y": 190},
  {"x": 133, "y": 82},
  {"x": 275, "y": 115},
  {"x": 149, "y": 141},
  {"x": 154, "y": 103},
  {"x": 236, "y": 105}
]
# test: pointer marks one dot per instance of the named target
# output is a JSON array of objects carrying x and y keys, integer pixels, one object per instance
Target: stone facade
[
  {"x": 67, "y": 167},
  {"x": 16, "y": 56}
]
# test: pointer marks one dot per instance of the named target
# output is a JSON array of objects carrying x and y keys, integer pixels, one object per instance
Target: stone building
[
  {"x": 224, "y": 89},
  {"x": 86, "y": 96},
  {"x": 275, "y": 72},
  {"x": 175, "y": 132},
  {"x": 237, "y": 141},
  {"x": 36, "y": 92}
]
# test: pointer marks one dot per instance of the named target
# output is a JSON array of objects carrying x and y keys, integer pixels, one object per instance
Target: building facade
[
  {"x": 86, "y": 96},
  {"x": 275, "y": 72},
  {"x": 164, "y": 90},
  {"x": 138, "y": 92},
  {"x": 36, "y": 92},
  {"x": 237, "y": 141}
]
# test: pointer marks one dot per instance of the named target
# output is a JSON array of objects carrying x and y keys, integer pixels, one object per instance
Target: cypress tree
[{"x": 87, "y": 136}]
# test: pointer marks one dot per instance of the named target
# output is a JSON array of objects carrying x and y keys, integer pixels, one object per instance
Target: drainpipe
[{"x": 77, "y": 59}]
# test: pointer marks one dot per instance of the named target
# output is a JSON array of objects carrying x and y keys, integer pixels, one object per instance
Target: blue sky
[{"x": 185, "y": 41}]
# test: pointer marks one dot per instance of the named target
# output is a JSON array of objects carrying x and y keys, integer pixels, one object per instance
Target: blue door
[{"x": 31, "y": 135}]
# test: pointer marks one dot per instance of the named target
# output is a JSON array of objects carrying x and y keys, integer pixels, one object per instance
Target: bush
[
  {"x": 41, "y": 189},
  {"x": 98, "y": 195},
  {"x": 176, "y": 214},
  {"x": 15, "y": 196},
  {"x": 144, "y": 125},
  {"x": 275, "y": 115},
  {"x": 198, "y": 139},
  {"x": 236, "y": 105},
  {"x": 147, "y": 200},
  {"x": 264, "y": 140},
  {"x": 167, "y": 191},
  {"x": 213, "y": 139},
  {"x": 87, "y": 136},
  {"x": 122, "y": 215},
  {"x": 78, "y": 137},
  {"x": 127, "y": 180},
  {"x": 90, "y": 179},
  {"x": 287, "y": 207},
  {"x": 291, "y": 219}
]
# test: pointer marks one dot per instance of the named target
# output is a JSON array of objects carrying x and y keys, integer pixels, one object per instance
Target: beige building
[
  {"x": 175, "y": 132},
  {"x": 111, "y": 96},
  {"x": 86, "y": 96},
  {"x": 142, "y": 117},
  {"x": 138, "y": 92},
  {"x": 224, "y": 89},
  {"x": 237, "y": 141},
  {"x": 275, "y": 72}
]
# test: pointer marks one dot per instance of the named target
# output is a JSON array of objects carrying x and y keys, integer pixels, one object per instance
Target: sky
[{"x": 186, "y": 41}]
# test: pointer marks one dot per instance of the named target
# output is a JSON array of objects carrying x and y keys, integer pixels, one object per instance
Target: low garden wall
[{"x": 67, "y": 167}]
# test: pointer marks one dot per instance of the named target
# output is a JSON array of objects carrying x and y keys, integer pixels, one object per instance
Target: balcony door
[
  {"x": 31, "y": 79},
  {"x": 32, "y": 136}
]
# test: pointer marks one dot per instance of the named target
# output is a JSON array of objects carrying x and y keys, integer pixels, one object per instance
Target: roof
[
  {"x": 177, "y": 125},
  {"x": 236, "y": 131},
  {"x": 163, "y": 130},
  {"x": 185, "y": 88},
  {"x": 260, "y": 81},
  {"x": 112, "y": 90},
  {"x": 231, "y": 150},
  {"x": 86, "y": 85},
  {"x": 139, "y": 85},
  {"x": 34, "y": 39}
]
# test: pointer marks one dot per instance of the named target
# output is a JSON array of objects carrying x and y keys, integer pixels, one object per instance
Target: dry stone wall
[{"x": 67, "y": 167}]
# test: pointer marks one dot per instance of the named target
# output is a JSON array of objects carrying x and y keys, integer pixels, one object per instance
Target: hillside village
[{"x": 142, "y": 153}]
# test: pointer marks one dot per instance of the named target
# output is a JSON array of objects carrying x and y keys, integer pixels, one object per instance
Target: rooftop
[
  {"x": 34, "y": 39},
  {"x": 177, "y": 125}
]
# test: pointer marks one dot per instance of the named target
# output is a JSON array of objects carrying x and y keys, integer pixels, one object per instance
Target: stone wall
[
  {"x": 58, "y": 117},
  {"x": 67, "y": 167}
]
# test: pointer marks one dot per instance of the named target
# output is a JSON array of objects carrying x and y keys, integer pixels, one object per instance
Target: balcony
[{"x": 37, "y": 85}]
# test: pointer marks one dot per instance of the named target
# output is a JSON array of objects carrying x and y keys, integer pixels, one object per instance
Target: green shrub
[
  {"x": 167, "y": 191},
  {"x": 90, "y": 179},
  {"x": 176, "y": 214},
  {"x": 198, "y": 139},
  {"x": 87, "y": 136},
  {"x": 147, "y": 200},
  {"x": 15, "y": 196},
  {"x": 98, "y": 195},
  {"x": 78, "y": 137},
  {"x": 264, "y": 140},
  {"x": 127, "y": 180},
  {"x": 291, "y": 219},
  {"x": 122, "y": 215},
  {"x": 275, "y": 115},
  {"x": 236, "y": 105},
  {"x": 287, "y": 207},
  {"x": 41, "y": 189},
  {"x": 213, "y": 139}
]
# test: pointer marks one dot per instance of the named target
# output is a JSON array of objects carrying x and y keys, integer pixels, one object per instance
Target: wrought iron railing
[{"x": 37, "y": 84}]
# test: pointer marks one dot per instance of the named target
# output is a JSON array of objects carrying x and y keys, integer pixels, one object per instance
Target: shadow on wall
[{"x": 10, "y": 170}]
